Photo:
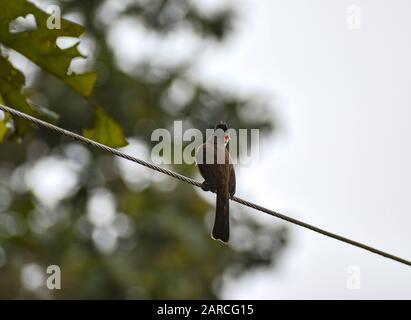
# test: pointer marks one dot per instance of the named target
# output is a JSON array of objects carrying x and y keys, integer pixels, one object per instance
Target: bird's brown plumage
[{"x": 220, "y": 178}]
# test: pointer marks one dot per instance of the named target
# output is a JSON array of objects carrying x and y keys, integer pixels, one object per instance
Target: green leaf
[
  {"x": 4, "y": 128},
  {"x": 4, "y": 120},
  {"x": 39, "y": 45},
  {"x": 106, "y": 130},
  {"x": 11, "y": 86}
]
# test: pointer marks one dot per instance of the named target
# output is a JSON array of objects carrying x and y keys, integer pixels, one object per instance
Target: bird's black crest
[{"x": 222, "y": 125}]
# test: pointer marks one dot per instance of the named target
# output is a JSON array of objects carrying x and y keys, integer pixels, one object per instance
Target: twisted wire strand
[{"x": 180, "y": 177}]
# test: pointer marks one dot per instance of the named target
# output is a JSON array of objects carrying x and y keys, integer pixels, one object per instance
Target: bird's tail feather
[{"x": 221, "y": 229}]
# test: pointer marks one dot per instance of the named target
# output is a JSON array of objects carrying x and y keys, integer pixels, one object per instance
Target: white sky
[{"x": 343, "y": 160}]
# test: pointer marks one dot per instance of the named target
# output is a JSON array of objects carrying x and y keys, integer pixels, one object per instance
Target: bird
[{"x": 216, "y": 167}]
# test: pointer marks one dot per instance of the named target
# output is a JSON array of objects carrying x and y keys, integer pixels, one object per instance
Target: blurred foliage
[
  {"x": 121, "y": 231},
  {"x": 11, "y": 86},
  {"x": 106, "y": 130},
  {"x": 38, "y": 42}
]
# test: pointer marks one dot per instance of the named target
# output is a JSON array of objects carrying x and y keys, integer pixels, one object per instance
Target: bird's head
[{"x": 221, "y": 130}]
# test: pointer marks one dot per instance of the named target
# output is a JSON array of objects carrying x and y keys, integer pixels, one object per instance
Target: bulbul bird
[{"x": 215, "y": 165}]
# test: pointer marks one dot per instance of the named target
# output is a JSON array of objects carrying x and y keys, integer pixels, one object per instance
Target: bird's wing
[
  {"x": 213, "y": 173},
  {"x": 232, "y": 180}
]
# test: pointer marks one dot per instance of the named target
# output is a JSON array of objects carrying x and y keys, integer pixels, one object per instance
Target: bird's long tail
[{"x": 221, "y": 229}]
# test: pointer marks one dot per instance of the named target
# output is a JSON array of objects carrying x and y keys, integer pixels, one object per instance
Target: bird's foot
[{"x": 205, "y": 186}]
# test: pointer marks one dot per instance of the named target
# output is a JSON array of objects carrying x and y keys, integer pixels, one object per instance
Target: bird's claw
[{"x": 205, "y": 186}]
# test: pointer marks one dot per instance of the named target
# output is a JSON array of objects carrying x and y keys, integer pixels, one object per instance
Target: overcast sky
[{"x": 342, "y": 158}]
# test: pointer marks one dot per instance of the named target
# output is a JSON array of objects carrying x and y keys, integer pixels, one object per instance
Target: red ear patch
[{"x": 226, "y": 138}]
